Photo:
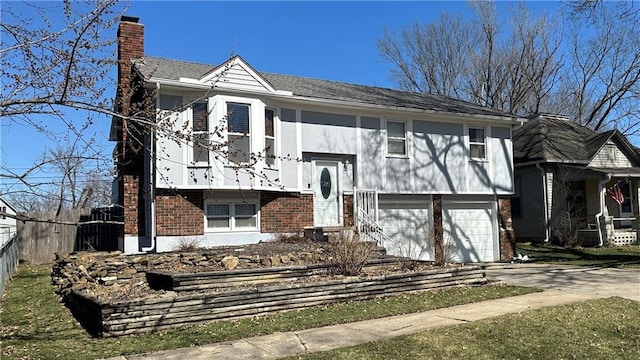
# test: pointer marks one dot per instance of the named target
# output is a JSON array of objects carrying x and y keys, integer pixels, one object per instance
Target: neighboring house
[
  {"x": 7, "y": 224},
  {"x": 569, "y": 174},
  {"x": 305, "y": 154}
]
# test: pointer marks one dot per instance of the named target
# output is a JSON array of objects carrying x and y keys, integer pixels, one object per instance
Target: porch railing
[
  {"x": 610, "y": 231},
  {"x": 365, "y": 216},
  {"x": 369, "y": 229}
]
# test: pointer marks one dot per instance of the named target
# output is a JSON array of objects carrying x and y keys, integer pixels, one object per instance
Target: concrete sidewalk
[{"x": 279, "y": 345}]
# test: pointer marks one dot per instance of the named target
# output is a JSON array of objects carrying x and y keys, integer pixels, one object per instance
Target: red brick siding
[
  {"x": 347, "y": 210},
  {"x": 438, "y": 230},
  {"x": 130, "y": 46},
  {"x": 179, "y": 213},
  {"x": 130, "y": 197},
  {"x": 285, "y": 212},
  {"x": 507, "y": 234}
]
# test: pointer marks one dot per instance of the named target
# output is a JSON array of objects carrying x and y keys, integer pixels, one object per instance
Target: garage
[
  {"x": 469, "y": 231},
  {"x": 406, "y": 221}
]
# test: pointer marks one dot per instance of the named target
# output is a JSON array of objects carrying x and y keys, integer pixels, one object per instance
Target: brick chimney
[
  {"x": 130, "y": 46},
  {"x": 130, "y": 159}
]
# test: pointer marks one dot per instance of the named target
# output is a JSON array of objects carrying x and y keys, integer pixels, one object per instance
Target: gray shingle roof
[
  {"x": 323, "y": 89},
  {"x": 553, "y": 139}
]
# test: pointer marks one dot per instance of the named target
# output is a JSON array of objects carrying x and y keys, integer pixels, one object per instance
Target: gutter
[
  {"x": 601, "y": 201},
  {"x": 152, "y": 180},
  {"x": 546, "y": 204}
]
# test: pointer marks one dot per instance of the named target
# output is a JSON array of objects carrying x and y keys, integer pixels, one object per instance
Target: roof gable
[
  {"x": 610, "y": 156},
  {"x": 233, "y": 74}
]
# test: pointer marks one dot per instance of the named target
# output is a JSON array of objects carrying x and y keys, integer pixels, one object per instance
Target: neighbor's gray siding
[
  {"x": 610, "y": 156},
  {"x": 530, "y": 224}
]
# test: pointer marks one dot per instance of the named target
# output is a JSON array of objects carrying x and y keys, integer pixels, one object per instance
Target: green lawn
[
  {"x": 620, "y": 256},
  {"x": 598, "y": 329},
  {"x": 35, "y": 325}
]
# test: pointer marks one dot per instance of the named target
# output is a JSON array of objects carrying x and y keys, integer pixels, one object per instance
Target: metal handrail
[{"x": 370, "y": 228}]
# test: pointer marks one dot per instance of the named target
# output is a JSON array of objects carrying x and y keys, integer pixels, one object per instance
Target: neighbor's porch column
[{"x": 636, "y": 207}]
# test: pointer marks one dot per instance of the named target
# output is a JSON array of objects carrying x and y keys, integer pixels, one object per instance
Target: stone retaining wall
[
  {"x": 175, "y": 309},
  {"x": 92, "y": 270},
  {"x": 191, "y": 288}
]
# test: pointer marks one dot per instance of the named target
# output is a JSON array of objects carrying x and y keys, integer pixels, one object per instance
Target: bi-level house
[{"x": 231, "y": 155}]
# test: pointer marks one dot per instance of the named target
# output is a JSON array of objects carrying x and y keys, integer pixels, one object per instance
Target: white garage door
[
  {"x": 407, "y": 225},
  {"x": 469, "y": 232}
]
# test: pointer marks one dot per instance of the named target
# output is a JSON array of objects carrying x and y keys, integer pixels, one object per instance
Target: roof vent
[{"x": 546, "y": 116}]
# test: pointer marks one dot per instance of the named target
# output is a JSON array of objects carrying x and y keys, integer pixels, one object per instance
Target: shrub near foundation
[{"x": 349, "y": 254}]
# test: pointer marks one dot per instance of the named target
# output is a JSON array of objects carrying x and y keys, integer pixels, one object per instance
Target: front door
[{"x": 326, "y": 194}]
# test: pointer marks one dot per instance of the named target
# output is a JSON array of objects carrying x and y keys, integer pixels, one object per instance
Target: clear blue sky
[{"x": 327, "y": 40}]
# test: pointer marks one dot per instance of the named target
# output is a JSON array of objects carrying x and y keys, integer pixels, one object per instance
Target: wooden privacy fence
[
  {"x": 8, "y": 260},
  {"x": 72, "y": 230}
]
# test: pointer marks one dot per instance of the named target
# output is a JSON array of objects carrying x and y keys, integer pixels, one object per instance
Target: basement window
[{"x": 231, "y": 216}]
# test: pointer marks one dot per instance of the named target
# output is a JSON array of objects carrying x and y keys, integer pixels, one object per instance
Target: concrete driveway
[{"x": 599, "y": 281}]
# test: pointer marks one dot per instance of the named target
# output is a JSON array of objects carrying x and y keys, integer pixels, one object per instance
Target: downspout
[
  {"x": 546, "y": 204},
  {"x": 601, "y": 202},
  {"x": 152, "y": 179}
]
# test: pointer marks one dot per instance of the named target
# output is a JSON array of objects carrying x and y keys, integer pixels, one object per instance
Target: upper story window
[
  {"x": 200, "y": 135},
  {"x": 269, "y": 137},
  {"x": 396, "y": 138},
  {"x": 239, "y": 141},
  {"x": 477, "y": 144}
]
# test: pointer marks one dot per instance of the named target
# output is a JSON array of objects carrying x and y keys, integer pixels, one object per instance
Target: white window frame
[
  {"x": 271, "y": 163},
  {"x": 239, "y": 134},
  {"x": 475, "y": 143},
  {"x": 196, "y": 133},
  {"x": 405, "y": 139},
  {"x": 233, "y": 227}
]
